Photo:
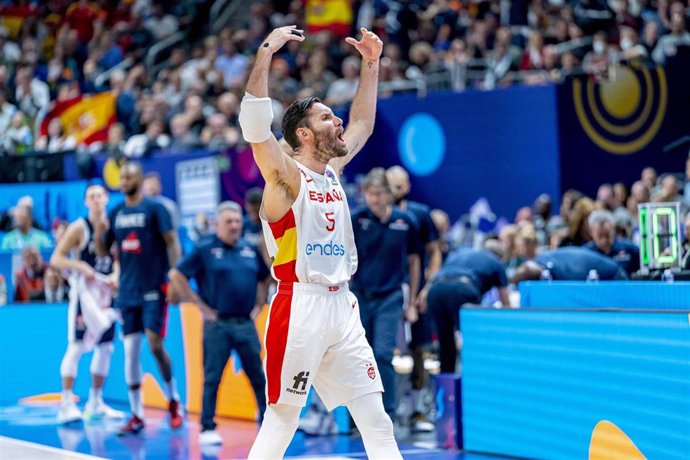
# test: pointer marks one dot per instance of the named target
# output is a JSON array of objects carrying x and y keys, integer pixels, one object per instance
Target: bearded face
[{"x": 329, "y": 145}]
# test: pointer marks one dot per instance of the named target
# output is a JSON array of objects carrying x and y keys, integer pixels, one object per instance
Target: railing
[
  {"x": 105, "y": 75},
  {"x": 225, "y": 16},
  {"x": 215, "y": 13},
  {"x": 161, "y": 46}
]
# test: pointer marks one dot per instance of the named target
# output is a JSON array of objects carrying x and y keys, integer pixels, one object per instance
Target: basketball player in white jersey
[
  {"x": 314, "y": 334},
  {"x": 76, "y": 252}
]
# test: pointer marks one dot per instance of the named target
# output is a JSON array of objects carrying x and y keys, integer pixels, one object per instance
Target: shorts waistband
[{"x": 313, "y": 288}]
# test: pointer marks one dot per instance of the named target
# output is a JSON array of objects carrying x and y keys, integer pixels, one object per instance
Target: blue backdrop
[
  {"x": 645, "y": 295},
  {"x": 502, "y": 145},
  {"x": 535, "y": 384}
]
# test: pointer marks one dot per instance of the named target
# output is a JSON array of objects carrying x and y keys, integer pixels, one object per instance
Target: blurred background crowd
[
  {"x": 173, "y": 74},
  {"x": 176, "y": 69}
]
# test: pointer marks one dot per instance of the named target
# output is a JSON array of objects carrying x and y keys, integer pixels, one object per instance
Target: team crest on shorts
[{"x": 371, "y": 371}]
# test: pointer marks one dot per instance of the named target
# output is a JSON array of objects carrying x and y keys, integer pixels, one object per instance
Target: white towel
[{"x": 95, "y": 298}]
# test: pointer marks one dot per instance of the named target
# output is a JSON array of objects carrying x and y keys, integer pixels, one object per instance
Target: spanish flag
[
  {"x": 87, "y": 118},
  {"x": 12, "y": 17},
  {"x": 331, "y": 15}
]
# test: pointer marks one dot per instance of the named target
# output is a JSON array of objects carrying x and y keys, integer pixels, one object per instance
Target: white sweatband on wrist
[{"x": 256, "y": 116}]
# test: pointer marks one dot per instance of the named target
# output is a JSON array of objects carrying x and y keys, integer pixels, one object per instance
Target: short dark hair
[
  {"x": 296, "y": 117},
  {"x": 376, "y": 178}
]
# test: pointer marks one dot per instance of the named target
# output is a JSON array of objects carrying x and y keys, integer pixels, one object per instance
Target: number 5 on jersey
[{"x": 331, "y": 221}]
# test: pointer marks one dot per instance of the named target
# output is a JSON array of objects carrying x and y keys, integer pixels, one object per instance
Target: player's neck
[
  {"x": 402, "y": 204},
  {"x": 133, "y": 200},
  {"x": 310, "y": 162}
]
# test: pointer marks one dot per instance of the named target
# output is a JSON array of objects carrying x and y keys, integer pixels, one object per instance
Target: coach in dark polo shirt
[
  {"x": 388, "y": 253},
  {"x": 604, "y": 241},
  {"x": 232, "y": 280}
]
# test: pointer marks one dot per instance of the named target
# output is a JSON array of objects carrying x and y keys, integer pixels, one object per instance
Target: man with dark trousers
[
  {"x": 431, "y": 259},
  {"x": 147, "y": 244},
  {"x": 232, "y": 279},
  {"x": 465, "y": 277},
  {"x": 388, "y": 250}
]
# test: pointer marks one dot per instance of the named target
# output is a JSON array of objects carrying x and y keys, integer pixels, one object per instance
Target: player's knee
[
  {"x": 379, "y": 422},
  {"x": 155, "y": 345},
  {"x": 70, "y": 361},
  {"x": 100, "y": 363},
  {"x": 155, "y": 342},
  {"x": 284, "y": 415}
]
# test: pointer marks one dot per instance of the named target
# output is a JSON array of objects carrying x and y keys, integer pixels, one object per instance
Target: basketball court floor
[{"x": 29, "y": 432}]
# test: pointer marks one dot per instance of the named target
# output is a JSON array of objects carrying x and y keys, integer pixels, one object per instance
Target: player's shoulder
[
  {"x": 398, "y": 213},
  {"x": 418, "y": 208},
  {"x": 117, "y": 208},
  {"x": 152, "y": 203},
  {"x": 207, "y": 242}
]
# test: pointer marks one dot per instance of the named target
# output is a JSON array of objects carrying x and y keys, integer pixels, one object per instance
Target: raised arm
[
  {"x": 256, "y": 115},
  {"x": 363, "y": 109}
]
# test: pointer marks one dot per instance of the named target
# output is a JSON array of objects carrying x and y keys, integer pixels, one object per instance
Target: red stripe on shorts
[
  {"x": 276, "y": 340},
  {"x": 164, "y": 328}
]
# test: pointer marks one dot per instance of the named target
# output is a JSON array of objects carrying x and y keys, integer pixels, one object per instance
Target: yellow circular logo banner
[{"x": 623, "y": 114}]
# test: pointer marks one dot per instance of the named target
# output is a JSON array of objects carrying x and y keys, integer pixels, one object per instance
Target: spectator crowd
[
  {"x": 188, "y": 96},
  {"x": 52, "y": 52}
]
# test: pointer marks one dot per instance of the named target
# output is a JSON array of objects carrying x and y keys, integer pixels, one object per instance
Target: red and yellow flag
[
  {"x": 331, "y": 15},
  {"x": 12, "y": 17},
  {"x": 87, "y": 118}
]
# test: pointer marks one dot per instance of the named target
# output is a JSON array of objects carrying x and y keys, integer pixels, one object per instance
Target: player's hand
[
  {"x": 100, "y": 221},
  {"x": 370, "y": 46},
  {"x": 87, "y": 271},
  {"x": 411, "y": 314},
  {"x": 208, "y": 313},
  {"x": 422, "y": 300},
  {"x": 114, "y": 282},
  {"x": 172, "y": 296},
  {"x": 280, "y": 37},
  {"x": 255, "y": 312}
]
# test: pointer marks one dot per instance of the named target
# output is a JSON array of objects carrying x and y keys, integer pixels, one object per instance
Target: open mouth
[{"x": 341, "y": 136}]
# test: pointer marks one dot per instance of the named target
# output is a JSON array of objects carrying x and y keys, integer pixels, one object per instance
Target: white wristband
[{"x": 256, "y": 116}]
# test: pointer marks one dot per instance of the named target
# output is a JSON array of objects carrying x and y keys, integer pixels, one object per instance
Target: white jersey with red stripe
[{"x": 314, "y": 242}]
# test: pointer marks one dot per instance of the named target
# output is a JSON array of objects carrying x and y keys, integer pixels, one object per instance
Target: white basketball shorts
[{"x": 314, "y": 337}]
